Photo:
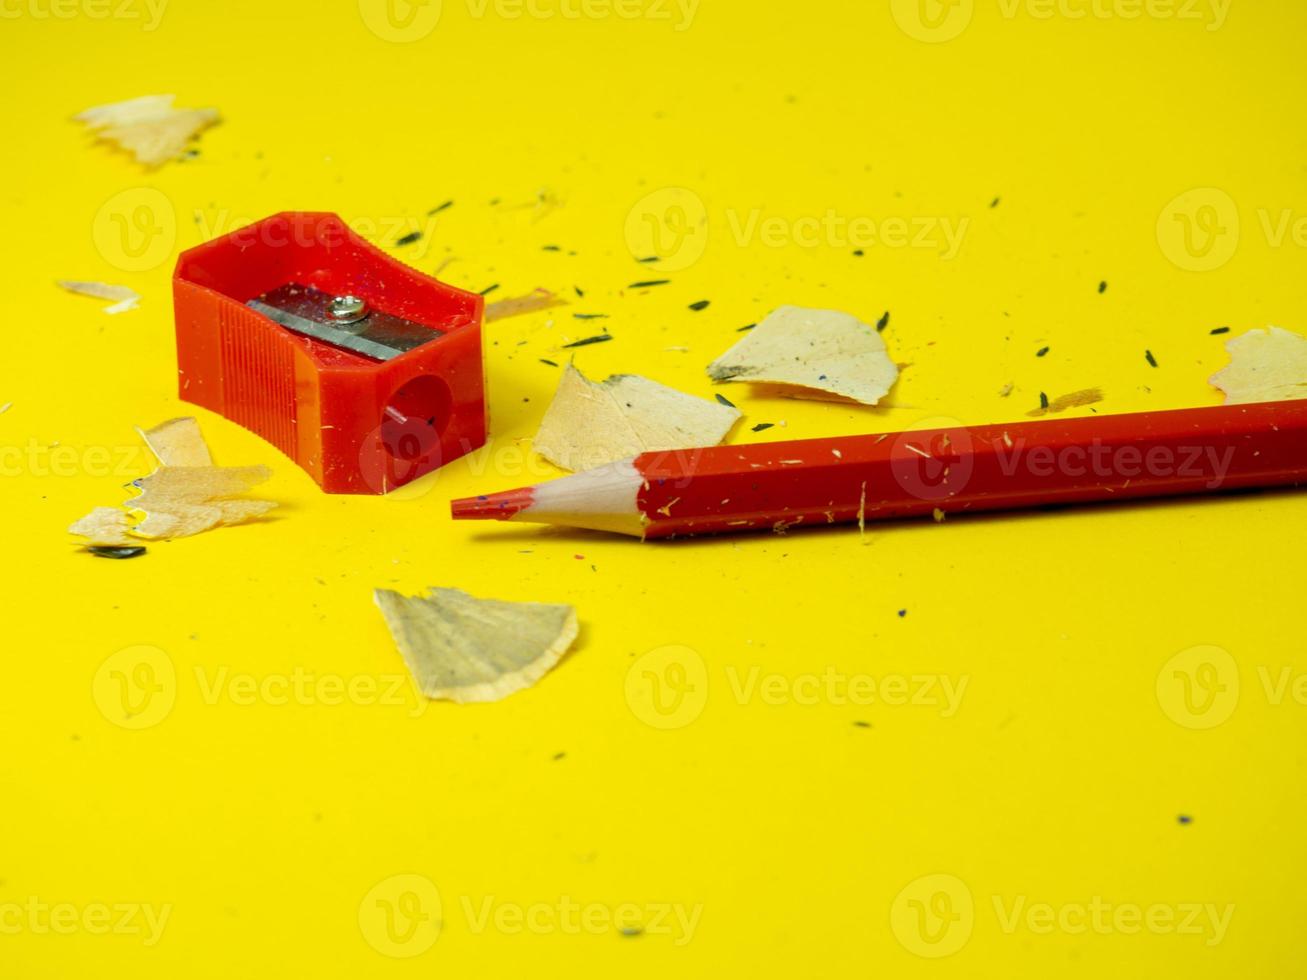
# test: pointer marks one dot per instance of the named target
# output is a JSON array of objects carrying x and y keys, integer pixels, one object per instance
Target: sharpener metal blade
[{"x": 307, "y": 311}]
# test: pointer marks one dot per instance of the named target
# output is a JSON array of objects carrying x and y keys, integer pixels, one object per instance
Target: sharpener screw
[{"x": 348, "y": 309}]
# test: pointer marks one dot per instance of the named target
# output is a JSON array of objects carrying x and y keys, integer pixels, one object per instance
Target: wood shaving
[
  {"x": 1265, "y": 366},
  {"x": 104, "y": 526},
  {"x": 821, "y": 350},
  {"x": 178, "y": 442},
  {"x": 1076, "y": 399},
  {"x": 185, "y": 496},
  {"x": 124, "y": 297},
  {"x": 539, "y": 299},
  {"x": 591, "y": 423},
  {"x": 461, "y": 648},
  {"x": 148, "y": 127},
  {"x": 180, "y": 501}
]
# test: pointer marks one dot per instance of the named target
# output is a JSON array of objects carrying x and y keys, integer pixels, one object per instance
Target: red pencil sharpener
[{"x": 364, "y": 371}]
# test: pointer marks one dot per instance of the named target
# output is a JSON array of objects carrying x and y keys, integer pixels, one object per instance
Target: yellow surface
[{"x": 752, "y": 826}]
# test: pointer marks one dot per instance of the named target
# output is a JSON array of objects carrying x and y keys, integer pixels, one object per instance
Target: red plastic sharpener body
[{"x": 356, "y": 423}]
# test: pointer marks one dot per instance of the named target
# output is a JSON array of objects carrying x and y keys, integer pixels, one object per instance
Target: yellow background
[{"x": 272, "y": 831}]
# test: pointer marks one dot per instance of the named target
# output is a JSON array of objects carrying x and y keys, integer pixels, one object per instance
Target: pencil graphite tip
[{"x": 492, "y": 507}]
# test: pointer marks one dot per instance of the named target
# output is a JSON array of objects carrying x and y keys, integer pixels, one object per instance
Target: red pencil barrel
[{"x": 976, "y": 468}]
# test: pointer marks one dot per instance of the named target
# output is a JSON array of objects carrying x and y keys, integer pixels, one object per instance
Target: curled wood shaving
[
  {"x": 464, "y": 649},
  {"x": 1076, "y": 399},
  {"x": 124, "y": 297},
  {"x": 104, "y": 526},
  {"x": 185, "y": 496},
  {"x": 1265, "y": 366},
  {"x": 820, "y": 350},
  {"x": 178, "y": 442},
  {"x": 148, "y": 127},
  {"x": 540, "y": 299},
  {"x": 179, "y": 501},
  {"x": 591, "y": 423}
]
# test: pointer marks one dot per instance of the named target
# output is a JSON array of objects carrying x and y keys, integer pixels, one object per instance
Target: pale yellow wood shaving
[
  {"x": 179, "y": 501},
  {"x": 178, "y": 442},
  {"x": 822, "y": 350},
  {"x": 125, "y": 298},
  {"x": 107, "y": 526},
  {"x": 1265, "y": 366},
  {"x": 591, "y": 423},
  {"x": 148, "y": 127},
  {"x": 461, "y": 648},
  {"x": 540, "y": 299}
]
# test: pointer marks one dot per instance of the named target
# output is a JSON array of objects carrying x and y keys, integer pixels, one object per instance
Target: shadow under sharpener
[{"x": 365, "y": 372}]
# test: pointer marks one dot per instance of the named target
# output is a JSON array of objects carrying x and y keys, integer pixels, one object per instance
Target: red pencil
[{"x": 781, "y": 485}]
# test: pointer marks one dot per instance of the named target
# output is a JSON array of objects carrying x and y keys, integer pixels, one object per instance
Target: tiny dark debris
[
  {"x": 409, "y": 239},
  {"x": 117, "y": 552},
  {"x": 883, "y": 322},
  {"x": 1043, "y": 400},
  {"x": 722, "y": 399},
  {"x": 1220, "y": 330},
  {"x": 545, "y": 360},
  {"x": 490, "y": 289},
  {"x": 551, "y": 248},
  {"x": 699, "y": 305},
  {"x": 440, "y": 207},
  {"x": 587, "y": 341},
  {"x": 591, "y": 316},
  {"x": 646, "y": 283},
  {"x": 1102, "y": 286},
  {"x": 763, "y": 425},
  {"x": 858, "y": 252},
  {"x": 1148, "y": 356},
  {"x": 747, "y": 326},
  {"x": 1041, "y": 352}
]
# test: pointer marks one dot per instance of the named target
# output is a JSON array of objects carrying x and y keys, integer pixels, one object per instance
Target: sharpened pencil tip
[{"x": 492, "y": 507}]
